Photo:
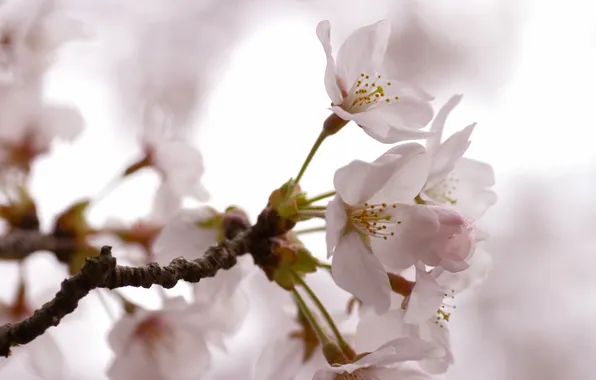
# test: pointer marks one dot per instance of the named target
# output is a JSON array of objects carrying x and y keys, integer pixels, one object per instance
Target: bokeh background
[{"x": 247, "y": 81}]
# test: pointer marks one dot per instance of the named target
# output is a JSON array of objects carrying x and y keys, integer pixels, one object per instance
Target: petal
[
  {"x": 336, "y": 220},
  {"x": 473, "y": 192},
  {"x": 479, "y": 267},
  {"x": 181, "y": 165},
  {"x": 375, "y": 330},
  {"x": 122, "y": 332},
  {"x": 46, "y": 358},
  {"x": 440, "y": 335},
  {"x": 134, "y": 364},
  {"x": 426, "y": 298},
  {"x": 439, "y": 123},
  {"x": 407, "y": 113},
  {"x": 182, "y": 236},
  {"x": 409, "y": 177},
  {"x": 324, "y": 374},
  {"x": 358, "y": 181},
  {"x": 64, "y": 122},
  {"x": 166, "y": 203},
  {"x": 356, "y": 270},
  {"x": 184, "y": 354},
  {"x": 280, "y": 360},
  {"x": 331, "y": 85},
  {"x": 412, "y": 236},
  {"x": 391, "y": 124},
  {"x": 363, "y": 51},
  {"x": 447, "y": 154},
  {"x": 409, "y": 348}
]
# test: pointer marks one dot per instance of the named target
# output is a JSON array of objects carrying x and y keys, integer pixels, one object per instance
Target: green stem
[
  {"x": 311, "y": 154},
  {"x": 309, "y": 230},
  {"x": 324, "y": 265},
  {"x": 321, "y": 308},
  {"x": 311, "y": 318},
  {"x": 309, "y": 214},
  {"x": 314, "y": 208},
  {"x": 320, "y": 197}
]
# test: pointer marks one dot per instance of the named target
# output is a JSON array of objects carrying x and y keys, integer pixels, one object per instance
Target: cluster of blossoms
[{"x": 400, "y": 231}]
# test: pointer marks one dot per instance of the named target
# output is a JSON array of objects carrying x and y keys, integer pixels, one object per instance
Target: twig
[{"x": 103, "y": 272}]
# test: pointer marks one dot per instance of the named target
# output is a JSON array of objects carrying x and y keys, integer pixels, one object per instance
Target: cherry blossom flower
[
  {"x": 461, "y": 183},
  {"x": 170, "y": 344},
  {"x": 372, "y": 206},
  {"x": 31, "y": 32},
  {"x": 387, "y": 110},
  {"x": 27, "y": 128},
  {"x": 381, "y": 363},
  {"x": 427, "y": 311},
  {"x": 189, "y": 234}
]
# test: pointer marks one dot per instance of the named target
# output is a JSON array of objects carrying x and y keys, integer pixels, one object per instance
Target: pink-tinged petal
[
  {"x": 184, "y": 356},
  {"x": 412, "y": 236},
  {"x": 438, "y": 123},
  {"x": 324, "y": 374},
  {"x": 473, "y": 192},
  {"x": 166, "y": 204},
  {"x": 133, "y": 364},
  {"x": 280, "y": 360},
  {"x": 184, "y": 236},
  {"x": 375, "y": 330},
  {"x": 479, "y": 267},
  {"x": 388, "y": 135},
  {"x": 426, "y": 298},
  {"x": 358, "y": 181},
  {"x": 363, "y": 51},
  {"x": 46, "y": 358},
  {"x": 408, "y": 348},
  {"x": 400, "y": 372},
  {"x": 63, "y": 122},
  {"x": 122, "y": 332},
  {"x": 445, "y": 157},
  {"x": 409, "y": 177},
  {"x": 404, "y": 114},
  {"x": 331, "y": 85},
  {"x": 356, "y": 270},
  {"x": 336, "y": 220},
  {"x": 182, "y": 167},
  {"x": 433, "y": 332}
]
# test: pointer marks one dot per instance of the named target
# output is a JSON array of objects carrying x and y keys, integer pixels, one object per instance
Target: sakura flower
[
  {"x": 381, "y": 363},
  {"x": 27, "y": 128},
  {"x": 368, "y": 214},
  {"x": 427, "y": 312},
  {"x": 31, "y": 32},
  {"x": 179, "y": 164},
  {"x": 167, "y": 344},
  {"x": 387, "y": 110},
  {"x": 461, "y": 183}
]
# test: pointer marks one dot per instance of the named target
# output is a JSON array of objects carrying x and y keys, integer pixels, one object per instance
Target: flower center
[
  {"x": 153, "y": 331},
  {"x": 444, "y": 312},
  {"x": 373, "y": 219},
  {"x": 445, "y": 191},
  {"x": 367, "y": 91}
]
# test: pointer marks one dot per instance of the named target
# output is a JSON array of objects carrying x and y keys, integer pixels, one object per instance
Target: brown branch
[
  {"x": 103, "y": 272},
  {"x": 18, "y": 244}
]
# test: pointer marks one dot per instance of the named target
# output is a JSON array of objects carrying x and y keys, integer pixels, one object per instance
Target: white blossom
[
  {"x": 454, "y": 181},
  {"x": 386, "y": 109}
]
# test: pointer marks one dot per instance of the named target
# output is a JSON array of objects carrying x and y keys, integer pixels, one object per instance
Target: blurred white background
[{"x": 526, "y": 69}]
